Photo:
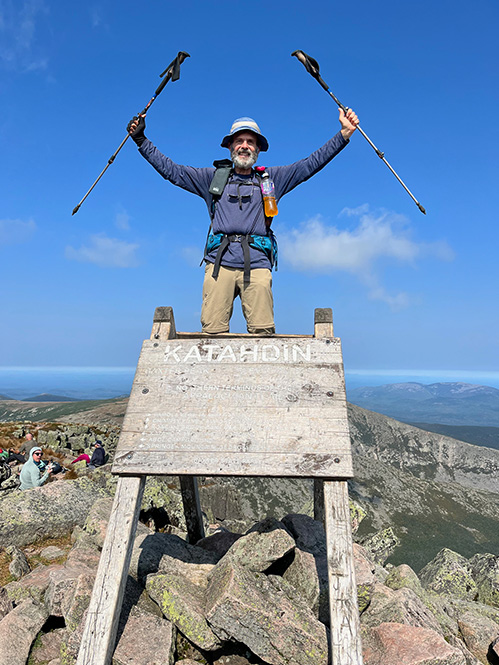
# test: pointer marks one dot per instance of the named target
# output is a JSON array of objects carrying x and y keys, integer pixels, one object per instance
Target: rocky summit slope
[
  {"x": 426, "y": 556},
  {"x": 433, "y": 490},
  {"x": 258, "y": 598}
]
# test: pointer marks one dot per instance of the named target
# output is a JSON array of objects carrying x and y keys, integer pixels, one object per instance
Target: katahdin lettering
[{"x": 263, "y": 353}]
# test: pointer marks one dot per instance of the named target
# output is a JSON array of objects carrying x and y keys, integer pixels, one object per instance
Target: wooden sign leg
[
  {"x": 346, "y": 647},
  {"x": 319, "y": 500},
  {"x": 192, "y": 508},
  {"x": 99, "y": 634}
]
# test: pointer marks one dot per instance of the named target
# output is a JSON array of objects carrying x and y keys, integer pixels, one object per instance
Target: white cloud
[
  {"x": 377, "y": 238},
  {"x": 105, "y": 252},
  {"x": 13, "y": 231},
  {"x": 122, "y": 221},
  {"x": 18, "y": 25}
]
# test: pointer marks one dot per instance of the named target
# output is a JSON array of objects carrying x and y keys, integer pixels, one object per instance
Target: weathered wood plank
[
  {"x": 164, "y": 432},
  {"x": 218, "y": 397},
  {"x": 202, "y": 438},
  {"x": 163, "y": 326},
  {"x": 99, "y": 634},
  {"x": 323, "y": 323},
  {"x": 212, "y": 463},
  {"x": 346, "y": 647},
  {"x": 259, "y": 350},
  {"x": 238, "y": 336}
]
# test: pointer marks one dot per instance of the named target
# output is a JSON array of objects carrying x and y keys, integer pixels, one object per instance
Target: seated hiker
[
  {"x": 82, "y": 455},
  {"x": 15, "y": 456},
  {"x": 28, "y": 444},
  {"x": 98, "y": 457},
  {"x": 241, "y": 250},
  {"x": 35, "y": 472}
]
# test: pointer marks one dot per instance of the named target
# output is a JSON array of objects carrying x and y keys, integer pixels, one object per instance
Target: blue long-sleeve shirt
[{"x": 240, "y": 208}]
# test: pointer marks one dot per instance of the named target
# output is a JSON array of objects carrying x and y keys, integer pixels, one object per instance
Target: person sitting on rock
[
  {"x": 98, "y": 456},
  {"x": 34, "y": 473},
  {"x": 15, "y": 456},
  {"x": 82, "y": 455},
  {"x": 28, "y": 445}
]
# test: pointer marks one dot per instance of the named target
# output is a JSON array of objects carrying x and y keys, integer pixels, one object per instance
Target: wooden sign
[{"x": 250, "y": 406}]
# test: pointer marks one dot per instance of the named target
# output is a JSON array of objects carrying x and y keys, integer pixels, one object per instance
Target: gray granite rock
[
  {"x": 19, "y": 565},
  {"x": 219, "y": 543},
  {"x": 381, "y": 545},
  {"x": 478, "y": 633},
  {"x": 401, "y": 606},
  {"x": 6, "y": 604},
  {"x": 182, "y": 602},
  {"x": 485, "y": 572},
  {"x": 307, "y": 532},
  {"x": 146, "y": 640},
  {"x": 18, "y": 630},
  {"x": 396, "y": 643},
  {"x": 449, "y": 573},
  {"x": 262, "y": 546},
  {"x": 246, "y": 607},
  {"x": 63, "y": 504}
]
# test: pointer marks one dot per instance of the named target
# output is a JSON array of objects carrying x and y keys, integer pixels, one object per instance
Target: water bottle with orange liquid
[{"x": 268, "y": 192}]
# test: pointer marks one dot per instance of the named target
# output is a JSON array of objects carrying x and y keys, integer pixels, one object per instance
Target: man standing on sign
[{"x": 241, "y": 250}]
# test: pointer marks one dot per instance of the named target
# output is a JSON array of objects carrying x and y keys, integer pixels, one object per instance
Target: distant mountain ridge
[
  {"x": 446, "y": 403},
  {"x": 47, "y": 397}
]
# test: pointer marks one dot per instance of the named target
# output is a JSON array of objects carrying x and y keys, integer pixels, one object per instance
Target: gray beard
[{"x": 244, "y": 161}]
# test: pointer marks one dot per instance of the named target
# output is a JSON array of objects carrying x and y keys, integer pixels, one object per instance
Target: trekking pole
[
  {"x": 171, "y": 72},
  {"x": 312, "y": 67}
]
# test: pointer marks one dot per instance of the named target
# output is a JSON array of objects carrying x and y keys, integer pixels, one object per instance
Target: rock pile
[
  {"x": 70, "y": 438},
  {"x": 260, "y": 597}
]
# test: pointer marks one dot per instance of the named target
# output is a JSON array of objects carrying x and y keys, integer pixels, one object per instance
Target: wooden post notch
[{"x": 235, "y": 405}]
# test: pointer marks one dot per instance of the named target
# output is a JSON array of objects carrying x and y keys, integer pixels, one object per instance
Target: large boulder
[
  {"x": 449, "y": 573},
  {"x": 32, "y": 585},
  {"x": 401, "y": 606},
  {"x": 396, "y": 643},
  {"x": 152, "y": 552},
  {"x": 403, "y": 576},
  {"x": 54, "y": 508},
  {"x": 381, "y": 545},
  {"x": 182, "y": 602},
  {"x": 485, "y": 571},
  {"x": 265, "y": 615},
  {"x": 146, "y": 639},
  {"x": 263, "y": 545},
  {"x": 478, "y": 633},
  {"x": 18, "y": 631}
]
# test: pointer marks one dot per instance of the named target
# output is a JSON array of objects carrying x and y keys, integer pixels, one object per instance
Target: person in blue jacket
[
  {"x": 237, "y": 263},
  {"x": 35, "y": 472},
  {"x": 98, "y": 456}
]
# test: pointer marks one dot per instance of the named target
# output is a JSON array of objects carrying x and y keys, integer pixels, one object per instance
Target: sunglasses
[{"x": 36, "y": 454}]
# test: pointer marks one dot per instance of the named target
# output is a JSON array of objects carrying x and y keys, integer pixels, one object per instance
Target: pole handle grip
[{"x": 172, "y": 71}]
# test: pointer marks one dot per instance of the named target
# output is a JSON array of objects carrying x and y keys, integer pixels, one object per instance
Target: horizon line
[{"x": 367, "y": 372}]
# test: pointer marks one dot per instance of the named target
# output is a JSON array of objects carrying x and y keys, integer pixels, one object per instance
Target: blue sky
[{"x": 407, "y": 290}]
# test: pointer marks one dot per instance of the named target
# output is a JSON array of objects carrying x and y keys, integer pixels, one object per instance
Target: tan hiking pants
[{"x": 257, "y": 301}]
